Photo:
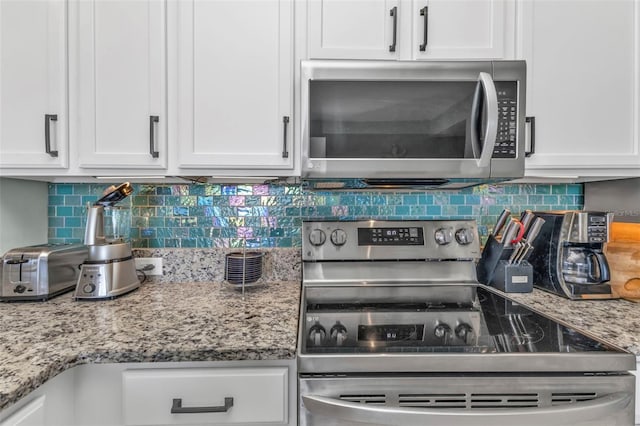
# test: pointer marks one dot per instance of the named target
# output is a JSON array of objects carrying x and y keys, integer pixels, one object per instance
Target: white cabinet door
[
  {"x": 353, "y": 29},
  {"x": 118, "y": 83},
  {"x": 458, "y": 29},
  {"x": 583, "y": 87},
  {"x": 31, "y": 414},
  {"x": 234, "y": 86},
  {"x": 51, "y": 404},
  {"x": 33, "y": 84},
  {"x": 395, "y": 29}
]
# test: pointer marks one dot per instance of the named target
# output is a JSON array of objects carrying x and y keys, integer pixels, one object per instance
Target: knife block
[
  {"x": 494, "y": 251},
  {"x": 513, "y": 277}
]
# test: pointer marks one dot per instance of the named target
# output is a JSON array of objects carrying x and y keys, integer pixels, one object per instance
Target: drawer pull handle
[{"x": 177, "y": 407}]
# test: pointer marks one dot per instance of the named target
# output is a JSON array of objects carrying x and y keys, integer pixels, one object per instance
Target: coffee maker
[
  {"x": 109, "y": 270},
  {"x": 567, "y": 257}
]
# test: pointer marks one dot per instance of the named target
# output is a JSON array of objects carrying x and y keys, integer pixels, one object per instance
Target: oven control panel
[
  {"x": 390, "y": 240},
  {"x": 378, "y": 331},
  {"x": 390, "y": 236}
]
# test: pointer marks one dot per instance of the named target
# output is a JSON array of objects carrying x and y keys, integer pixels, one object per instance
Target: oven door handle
[
  {"x": 485, "y": 94},
  {"x": 599, "y": 408}
]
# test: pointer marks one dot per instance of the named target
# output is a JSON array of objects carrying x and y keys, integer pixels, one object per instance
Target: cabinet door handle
[
  {"x": 532, "y": 133},
  {"x": 152, "y": 135},
  {"x": 177, "y": 407},
  {"x": 394, "y": 14},
  {"x": 425, "y": 12},
  {"x": 48, "y": 118},
  {"x": 285, "y": 122}
]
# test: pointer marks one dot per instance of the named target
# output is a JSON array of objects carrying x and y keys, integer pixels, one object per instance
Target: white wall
[{"x": 23, "y": 213}]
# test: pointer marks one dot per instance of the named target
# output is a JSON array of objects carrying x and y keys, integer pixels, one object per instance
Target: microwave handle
[
  {"x": 491, "y": 131},
  {"x": 599, "y": 408}
]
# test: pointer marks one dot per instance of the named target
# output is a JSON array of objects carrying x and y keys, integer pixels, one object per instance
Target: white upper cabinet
[
  {"x": 583, "y": 64},
  {"x": 118, "y": 84},
  {"x": 33, "y": 84},
  {"x": 406, "y": 29},
  {"x": 352, "y": 29},
  {"x": 234, "y": 94},
  {"x": 458, "y": 29}
]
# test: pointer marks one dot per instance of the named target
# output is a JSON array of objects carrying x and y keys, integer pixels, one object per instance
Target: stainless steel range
[{"x": 395, "y": 330}]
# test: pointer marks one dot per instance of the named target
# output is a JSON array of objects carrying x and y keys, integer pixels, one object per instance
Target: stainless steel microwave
[{"x": 444, "y": 122}]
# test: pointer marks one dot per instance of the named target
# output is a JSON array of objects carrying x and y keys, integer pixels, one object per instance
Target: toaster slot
[{"x": 20, "y": 270}]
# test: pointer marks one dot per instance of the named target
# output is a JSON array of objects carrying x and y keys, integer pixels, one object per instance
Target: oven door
[
  {"x": 397, "y": 120},
  {"x": 467, "y": 399}
]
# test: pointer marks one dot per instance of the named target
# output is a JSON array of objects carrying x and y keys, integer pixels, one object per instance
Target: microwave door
[
  {"x": 484, "y": 116},
  {"x": 403, "y": 128}
]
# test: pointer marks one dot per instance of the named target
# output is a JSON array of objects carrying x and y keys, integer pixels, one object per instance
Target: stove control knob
[
  {"x": 464, "y": 236},
  {"x": 338, "y": 333},
  {"x": 443, "y": 236},
  {"x": 317, "y": 334},
  {"x": 338, "y": 237},
  {"x": 317, "y": 237},
  {"x": 442, "y": 332},
  {"x": 464, "y": 332}
]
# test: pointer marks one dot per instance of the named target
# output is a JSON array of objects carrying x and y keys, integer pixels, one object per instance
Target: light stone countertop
[
  {"x": 209, "y": 322},
  {"x": 156, "y": 323}
]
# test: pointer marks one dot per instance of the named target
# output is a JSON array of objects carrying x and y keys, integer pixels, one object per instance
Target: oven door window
[{"x": 393, "y": 119}]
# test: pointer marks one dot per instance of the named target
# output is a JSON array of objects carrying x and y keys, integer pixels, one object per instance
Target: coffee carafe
[
  {"x": 568, "y": 256},
  {"x": 109, "y": 270},
  {"x": 584, "y": 265}
]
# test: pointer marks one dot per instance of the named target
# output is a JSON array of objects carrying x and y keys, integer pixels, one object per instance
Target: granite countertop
[
  {"x": 158, "y": 322},
  {"x": 209, "y": 322}
]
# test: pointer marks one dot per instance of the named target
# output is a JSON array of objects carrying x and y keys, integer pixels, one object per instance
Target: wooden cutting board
[{"x": 623, "y": 255}]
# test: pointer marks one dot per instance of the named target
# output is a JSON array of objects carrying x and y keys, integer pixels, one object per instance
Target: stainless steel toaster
[{"x": 40, "y": 272}]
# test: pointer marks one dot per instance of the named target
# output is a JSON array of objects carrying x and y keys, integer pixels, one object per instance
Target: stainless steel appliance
[
  {"x": 395, "y": 330},
  {"x": 110, "y": 270},
  {"x": 40, "y": 272},
  {"x": 567, "y": 257},
  {"x": 430, "y": 123}
]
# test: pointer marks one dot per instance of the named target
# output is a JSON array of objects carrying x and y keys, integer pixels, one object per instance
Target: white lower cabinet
[
  {"x": 205, "y": 395},
  {"x": 256, "y": 393},
  {"x": 29, "y": 414},
  {"x": 52, "y": 404}
]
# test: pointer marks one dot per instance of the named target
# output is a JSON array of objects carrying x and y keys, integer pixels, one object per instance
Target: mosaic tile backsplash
[{"x": 214, "y": 215}]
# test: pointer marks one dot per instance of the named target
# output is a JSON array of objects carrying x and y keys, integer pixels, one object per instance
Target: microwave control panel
[{"x": 507, "y": 119}]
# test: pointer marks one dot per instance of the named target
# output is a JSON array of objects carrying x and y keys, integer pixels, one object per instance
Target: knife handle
[
  {"x": 502, "y": 219},
  {"x": 509, "y": 233},
  {"x": 527, "y": 219},
  {"x": 534, "y": 230}
]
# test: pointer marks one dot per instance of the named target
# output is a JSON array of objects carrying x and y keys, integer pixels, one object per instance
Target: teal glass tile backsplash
[{"x": 214, "y": 215}]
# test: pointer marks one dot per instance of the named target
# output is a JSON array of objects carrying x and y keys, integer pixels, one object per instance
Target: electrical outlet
[{"x": 150, "y": 265}]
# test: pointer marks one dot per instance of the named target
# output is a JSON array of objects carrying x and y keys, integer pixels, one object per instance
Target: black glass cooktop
[
  {"x": 493, "y": 324},
  {"x": 515, "y": 328}
]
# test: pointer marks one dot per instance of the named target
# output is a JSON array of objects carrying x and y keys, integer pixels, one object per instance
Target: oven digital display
[
  {"x": 391, "y": 332},
  {"x": 397, "y": 236}
]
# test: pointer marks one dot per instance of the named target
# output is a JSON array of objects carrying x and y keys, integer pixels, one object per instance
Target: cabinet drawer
[{"x": 253, "y": 395}]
